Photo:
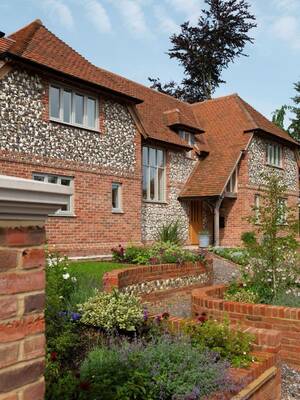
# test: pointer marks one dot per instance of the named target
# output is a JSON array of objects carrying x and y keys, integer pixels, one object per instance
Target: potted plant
[{"x": 204, "y": 238}]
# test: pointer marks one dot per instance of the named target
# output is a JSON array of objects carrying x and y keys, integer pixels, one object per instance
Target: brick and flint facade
[{"x": 106, "y": 161}]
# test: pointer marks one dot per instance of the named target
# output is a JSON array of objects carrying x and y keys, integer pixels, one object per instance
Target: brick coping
[
  {"x": 135, "y": 274},
  {"x": 211, "y": 297}
]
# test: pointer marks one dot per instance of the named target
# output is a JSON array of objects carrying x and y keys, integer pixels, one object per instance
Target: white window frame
[
  {"x": 73, "y": 92},
  {"x": 274, "y": 154},
  {"x": 148, "y": 166},
  {"x": 189, "y": 138},
  {"x": 119, "y": 208},
  {"x": 60, "y": 213}
]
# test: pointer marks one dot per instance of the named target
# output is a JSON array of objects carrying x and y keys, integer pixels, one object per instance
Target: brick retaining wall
[
  {"x": 22, "y": 298},
  {"x": 284, "y": 319},
  {"x": 135, "y": 274}
]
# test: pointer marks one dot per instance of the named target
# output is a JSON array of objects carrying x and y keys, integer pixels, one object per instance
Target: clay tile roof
[
  {"x": 35, "y": 43},
  {"x": 228, "y": 123}
]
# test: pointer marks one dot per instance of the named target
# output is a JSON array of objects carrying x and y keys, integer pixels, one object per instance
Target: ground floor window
[
  {"x": 58, "y": 180},
  {"x": 153, "y": 174},
  {"x": 116, "y": 197}
]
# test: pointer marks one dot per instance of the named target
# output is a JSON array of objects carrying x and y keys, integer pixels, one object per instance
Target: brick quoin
[{"x": 22, "y": 299}]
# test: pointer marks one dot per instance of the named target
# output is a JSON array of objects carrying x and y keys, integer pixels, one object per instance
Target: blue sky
[{"x": 130, "y": 37}]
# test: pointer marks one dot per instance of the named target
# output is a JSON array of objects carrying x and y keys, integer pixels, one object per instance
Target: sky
[{"x": 131, "y": 37}]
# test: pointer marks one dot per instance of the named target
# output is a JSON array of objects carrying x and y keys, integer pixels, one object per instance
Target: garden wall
[
  {"x": 262, "y": 380},
  {"x": 284, "y": 319},
  {"x": 164, "y": 278}
]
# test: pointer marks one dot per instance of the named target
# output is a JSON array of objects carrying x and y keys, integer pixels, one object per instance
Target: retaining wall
[{"x": 284, "y": 319}]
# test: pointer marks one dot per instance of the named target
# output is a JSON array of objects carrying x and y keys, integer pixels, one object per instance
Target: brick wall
[
  {"x": 94, "y": 229},
  {"x": 22, "y": 298},
  {"x": 283, "y": 319}
]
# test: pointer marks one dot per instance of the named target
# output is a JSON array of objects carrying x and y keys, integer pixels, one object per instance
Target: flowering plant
[{"x": 113, "y": 311}]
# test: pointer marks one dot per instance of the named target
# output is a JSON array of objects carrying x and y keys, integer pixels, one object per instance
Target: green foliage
[
  {"x": 170, "y": 233},
  {"x": 207, "y": 48},
  {"x": 273, "y": 261},
  {"x": 240, "y": 294},
  {"x": 237, "y": 255},
  {"x": 112, "y": 311},
  {"x": 288, "y": 298},
  {"x": 231, "y": 345},
  {"x": 294, "y": 128},
  {"x": 279, "y": 116},
  {"x": 249, "y": 238},
  {"x": 163, "y": 369}
]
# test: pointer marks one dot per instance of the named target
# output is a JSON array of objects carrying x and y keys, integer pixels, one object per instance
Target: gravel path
[{"x": 290, "y": 383}]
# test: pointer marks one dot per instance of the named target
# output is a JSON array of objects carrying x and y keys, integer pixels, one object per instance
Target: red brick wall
[
  {"x": 94, "y": 229},
  {"x": 22, "y": 340},
  {"x": 283, "y": 319}
]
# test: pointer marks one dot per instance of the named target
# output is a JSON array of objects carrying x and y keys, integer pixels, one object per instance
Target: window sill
[
  {"x": 63, "y": 215},
  {"x": 67, "y": 124},
  {"x": 274, "y": 166},
  {"x": 117, "y": 212},
  {"x": 154, "y": 202}
]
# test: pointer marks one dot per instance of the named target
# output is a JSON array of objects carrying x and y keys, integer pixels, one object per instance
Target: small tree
[
  {"x": 273, "y": 264},
  {"x": 295, "y": 125}
]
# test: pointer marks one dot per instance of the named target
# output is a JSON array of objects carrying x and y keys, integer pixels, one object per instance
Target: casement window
[
  {"x": 189, "y": 138},
  {"x": 154, "y": 180},
  {"x": 67, "y": 209},
  {"x": 257, "y": 207},
  {"x": 73, "y": 108},
  {"x": 116, "y": 197},
  {"x": 231, "y": 186},
  {"x": 274, "y": 154}
]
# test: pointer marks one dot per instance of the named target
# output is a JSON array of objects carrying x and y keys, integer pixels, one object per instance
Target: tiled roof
[
  {"x": 228, "y": 123},
  {"x": 37, "y": 44}
]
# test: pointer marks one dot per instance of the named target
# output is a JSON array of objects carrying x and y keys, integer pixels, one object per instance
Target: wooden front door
[{"x": 195, "y": 220}]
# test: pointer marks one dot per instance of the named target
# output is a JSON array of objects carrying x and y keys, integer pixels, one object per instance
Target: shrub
[
  {"x": 237, "y": 255},
  {"x": 137, "y": 255},
  {"x": 163, "y": 369},
  {"x": 118, "y": 253},
  {"x": 290, "y": 298},
  {"x": 170, "y": 232},
  {"x": 242, "y": 296},
  {"x": 249, "y": 238},
  {"x": 112, "y": 311},
  {"x": 231, "y": 345}
]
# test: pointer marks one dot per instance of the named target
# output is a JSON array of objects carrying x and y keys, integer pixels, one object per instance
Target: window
[
  {"x": 116, "y": 197},
  {"x": 257, "y": 207},
  {"x": 73, "y": 108},
  {"x": 67, "y": 209},
  {"x": 153, "y": 174},
  {"x": 282, "y": 205},
  {"x": 189, "y": 138},
  {"x": 274, "y": 154},
  {"x": 231, "y": 186}
]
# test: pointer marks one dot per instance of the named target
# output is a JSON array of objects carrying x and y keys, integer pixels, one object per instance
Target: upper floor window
[
  {"x": 68, "y": 208},
  {"x": 189, "y": 138},
  {"x": 116, "y": 197},
  {"x": 153, "y": 174},
  {"x": 274, "y": 154},
  {"x": 72, "y": 107}
]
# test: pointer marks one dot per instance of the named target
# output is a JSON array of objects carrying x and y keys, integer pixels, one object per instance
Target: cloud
[
  {"x": 190, "y": 8},
  {"x": 133, "y": 15},
  {"x": 98, "y": 16},
  {"x": 166, "y": 23},
  {"x": 287, "y": 5},
  {"x": 286, "y": 28},
  {"x": 58, "y": 10}
]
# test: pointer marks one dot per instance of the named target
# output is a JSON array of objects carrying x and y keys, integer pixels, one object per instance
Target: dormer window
[
  {"x": 73, "y": 108},
  {"x": 189, "y": 138}
]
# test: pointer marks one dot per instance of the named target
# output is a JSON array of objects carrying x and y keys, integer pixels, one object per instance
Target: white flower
[
  {"x": 66, "y": 276},
  {"x": 74, "y": 279}
]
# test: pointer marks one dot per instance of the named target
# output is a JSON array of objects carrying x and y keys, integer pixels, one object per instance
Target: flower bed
[
  {"x": 284, "y": 319},
  {"x": 262, "y": 379},
  {"x": 144, "y": 280}
]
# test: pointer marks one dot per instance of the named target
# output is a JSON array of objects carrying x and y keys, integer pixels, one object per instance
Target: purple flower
[
  {"x": 62, "y": 314},
  {"x": 146, "y": 314},
  {"x": 75, "y": 316}
]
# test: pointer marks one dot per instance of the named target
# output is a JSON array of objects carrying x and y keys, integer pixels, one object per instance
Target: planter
[
  {"x": 286, "y": 320},
  {"x": 204, "y": 239}
]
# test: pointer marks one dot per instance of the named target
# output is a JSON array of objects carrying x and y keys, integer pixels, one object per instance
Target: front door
[{"x": 195, "y": 220}]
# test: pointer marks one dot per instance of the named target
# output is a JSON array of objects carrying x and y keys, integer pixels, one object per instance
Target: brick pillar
[{"x": 22, "y": 298}]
